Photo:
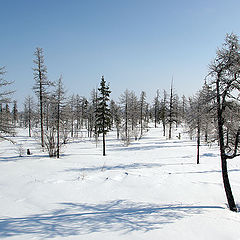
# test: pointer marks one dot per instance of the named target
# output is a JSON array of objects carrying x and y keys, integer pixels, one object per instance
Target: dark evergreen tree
[{"x": 103, "y": 114}]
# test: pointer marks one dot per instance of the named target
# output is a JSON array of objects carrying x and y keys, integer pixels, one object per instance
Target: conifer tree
[{"x": 103, "y": 114}]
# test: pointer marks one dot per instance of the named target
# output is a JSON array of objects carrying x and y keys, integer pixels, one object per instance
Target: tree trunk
[
  {"x": 226, "y": 183},
  {"x": 126, "y": 122},
  {"x": 118, "y": 132},
  {"x": 104, "y": 145},
  {"x": 29, "y": 127},
  {"x": 58, "y": 135},
  {"x": 164, "y": 129},
  {"x": 170, "y": 130},
  {"x": 41, "y": 114},
  {"x": 141, "y": 122},
  {"x": 29, "y": 120},
  {"x": 170, "y": 113},
  {"x": 227, "y": 186},
  {"x": 198, "y": 142},
  {"x": 155, "y": 113}
]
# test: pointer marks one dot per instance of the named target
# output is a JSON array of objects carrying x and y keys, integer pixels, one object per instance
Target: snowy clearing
[{"x": 152, "y": 189}]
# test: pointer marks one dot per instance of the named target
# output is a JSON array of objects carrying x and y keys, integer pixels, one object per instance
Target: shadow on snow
[
  {"x": 79, "y": 219},
  {"x": 152, "y": 146},
  {"x": 125, "y": 167}
]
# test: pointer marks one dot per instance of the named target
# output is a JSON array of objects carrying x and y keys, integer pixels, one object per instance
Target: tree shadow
[
  {"x": 79, "y": 219},
  {"x": 24, "y": 157},
  {"x": 209, "y": 155},
  {"x": 207, "y": 171},
  {"x": 125, "y": 167},
  {"x": 153, "y": 145},
  {"x": 116, "y": 167}
]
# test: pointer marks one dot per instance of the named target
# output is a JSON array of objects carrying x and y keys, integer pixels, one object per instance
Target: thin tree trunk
[
  {"x": 170, "y": 113},
  {"x": 29, "y": 127},
  {"x": 170, "y": 130},
  {"x": 226, "y": 183},
  {"x": 198, "y": 142},
  {"x": 126, "y": 122},
  {"x": 141, "y": 121},
  {"x": 117, "y": 132},
  {"x": 104, "y": 145},
  {"x": 164, "y": 129},
  {"x": 29, "y": 119},
  {"x": 58, "y": 130},
  {"x": 41, "y": 114},
  {"x": 155, "y": 113}
]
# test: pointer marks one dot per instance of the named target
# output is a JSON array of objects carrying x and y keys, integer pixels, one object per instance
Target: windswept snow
[{"x": 152, "y": 189}]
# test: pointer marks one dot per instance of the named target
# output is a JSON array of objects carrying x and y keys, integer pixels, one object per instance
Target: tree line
[{"x": 210, "y": 115}]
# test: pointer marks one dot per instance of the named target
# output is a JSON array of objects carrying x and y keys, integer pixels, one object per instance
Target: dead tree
[
  {"x": 41, "y": 83},
  {"x": 225, "y": 76}
]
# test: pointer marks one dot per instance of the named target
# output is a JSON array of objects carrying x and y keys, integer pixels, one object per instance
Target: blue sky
[{"x": 135, "y": 44}]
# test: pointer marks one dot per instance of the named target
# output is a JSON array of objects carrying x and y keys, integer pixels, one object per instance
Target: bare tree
[
  {"x": 225, "y": 76},
  {"x": 59, "y": 98},
  {"x": 156, "y": 106},
  {"x": 125, "y": 107},
  {"x": 116, "y": 116},
  {"x": 28, "y": 112},
  {"x": 6, "y": 126},
  {"x": 170, "y": 118},
  {"x": 41, "y": 84},
  {"x": 143, "y": 108},
  {"x": 194, "y": 118},
  {"x": 15, "y": 112},
  {"x": 164, "y": 111}
]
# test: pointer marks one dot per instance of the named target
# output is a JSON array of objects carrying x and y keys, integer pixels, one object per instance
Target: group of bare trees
[
  {"x": 169, "y": 110},
  {"x": 7, "y": 119},
  {"x": 212, "y": 114}
]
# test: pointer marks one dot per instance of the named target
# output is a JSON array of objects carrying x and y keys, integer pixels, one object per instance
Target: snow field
[{"x": 152, "y": 189}]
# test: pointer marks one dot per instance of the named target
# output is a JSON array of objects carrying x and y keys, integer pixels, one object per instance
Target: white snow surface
[{"x": 152, "y": 189}]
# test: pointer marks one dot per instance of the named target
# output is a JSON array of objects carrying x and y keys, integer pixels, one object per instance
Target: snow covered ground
[{"x": 152, "y": 189}]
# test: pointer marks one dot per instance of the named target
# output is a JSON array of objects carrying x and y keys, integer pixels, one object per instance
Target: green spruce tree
[{"x": 103, "y": 114}]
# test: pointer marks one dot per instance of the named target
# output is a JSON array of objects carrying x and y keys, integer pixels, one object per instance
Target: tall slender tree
[
  {"x": 15, "y": 112},
  {"x": 142, "y": 105},
  {"x": 41, "y": 84},
  {"x": 163, "y": 112},
  {"x": 103, "y": 114},
  {"x": 170, "y": 119},
  {"x": 28, "y": 112},
  {"x": 6, "y": 126},
  {"x": 156, "y": 106},
  {"x": 59, "y": 98},
  {"x": 125, "y": 109}
]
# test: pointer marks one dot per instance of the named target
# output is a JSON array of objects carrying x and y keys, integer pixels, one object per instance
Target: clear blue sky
[{"x": 136, "y": 44}]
